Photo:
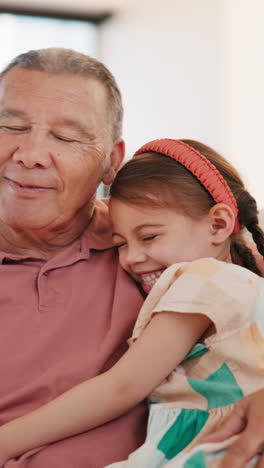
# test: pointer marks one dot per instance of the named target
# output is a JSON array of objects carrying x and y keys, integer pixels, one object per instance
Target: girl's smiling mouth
[{"x": 148, "y": 279}]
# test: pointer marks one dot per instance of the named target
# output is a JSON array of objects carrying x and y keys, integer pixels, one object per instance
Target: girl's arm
[{"x": 161, "y": 347}]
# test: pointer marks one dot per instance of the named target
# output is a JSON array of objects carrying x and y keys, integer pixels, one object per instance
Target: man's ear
[
  {"x": 115, "y": 160},
  {"x": 222, "y": 221}
]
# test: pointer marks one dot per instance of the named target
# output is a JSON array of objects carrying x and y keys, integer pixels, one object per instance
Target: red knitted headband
[{"x": 200, "y": 167}]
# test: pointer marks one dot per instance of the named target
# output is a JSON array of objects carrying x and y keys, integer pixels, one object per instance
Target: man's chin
[{"x": 27, "y": 221}]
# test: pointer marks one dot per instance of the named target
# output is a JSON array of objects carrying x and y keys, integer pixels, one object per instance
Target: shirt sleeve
[{"x": 223, "y": 292}]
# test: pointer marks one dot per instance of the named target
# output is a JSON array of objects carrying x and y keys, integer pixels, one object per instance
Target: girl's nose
[{"x": 135, "y": 255}]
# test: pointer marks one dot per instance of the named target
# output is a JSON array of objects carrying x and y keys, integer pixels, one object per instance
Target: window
[{"x": 20, "y": 33}]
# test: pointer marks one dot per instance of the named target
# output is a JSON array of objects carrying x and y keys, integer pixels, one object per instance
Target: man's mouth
[
  {"x": 26, "y": 188},
  {"x": 29, "y": 186},
  {"x": 148, "y": 279}
]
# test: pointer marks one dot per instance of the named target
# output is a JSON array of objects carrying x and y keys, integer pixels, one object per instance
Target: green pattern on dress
[
  {"x": 197, "y": 351},
  {"x": 196, "y": 461},
  {"x": 219, "y": 389},
  {"x": 187, "y": 425}
]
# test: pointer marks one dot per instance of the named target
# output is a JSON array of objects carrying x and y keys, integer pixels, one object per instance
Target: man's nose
[{"x": 33, "y": 151}]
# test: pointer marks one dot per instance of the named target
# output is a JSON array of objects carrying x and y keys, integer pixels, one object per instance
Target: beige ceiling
[{"x": 78, "y": 6}]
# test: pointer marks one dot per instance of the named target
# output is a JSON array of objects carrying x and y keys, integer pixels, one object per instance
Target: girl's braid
[
  {"x": 258, "y": 236},
  {"x": 240, "y": 252},
  {"x": 248, "y": 217}
]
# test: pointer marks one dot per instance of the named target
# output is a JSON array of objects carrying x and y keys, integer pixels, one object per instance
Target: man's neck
[{"x": 42, "y": 243}]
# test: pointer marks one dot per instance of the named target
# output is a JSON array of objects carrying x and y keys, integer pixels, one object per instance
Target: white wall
[
  {"x": 243, "y": 90},
  {"x": 165, "y": 55},
  {"x": 192, "y": 68}
]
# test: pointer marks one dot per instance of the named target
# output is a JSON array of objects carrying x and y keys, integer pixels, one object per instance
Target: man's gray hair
[{"x": 60, "y": 60}]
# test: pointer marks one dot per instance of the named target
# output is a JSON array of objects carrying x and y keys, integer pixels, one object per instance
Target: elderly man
[{"x": 66, "y": 306}]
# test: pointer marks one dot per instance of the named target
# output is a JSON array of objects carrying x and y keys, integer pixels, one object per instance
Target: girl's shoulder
[
  {"x": 224, "y": 292},
  {"x": 210, "y": 268},
  {"x": 206, "y": 286}
]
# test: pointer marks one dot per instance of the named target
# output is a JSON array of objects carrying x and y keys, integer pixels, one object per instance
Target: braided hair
[{"x": 247, "y": 210}]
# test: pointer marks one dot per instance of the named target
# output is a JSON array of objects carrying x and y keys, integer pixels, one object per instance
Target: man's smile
[{"x": 26, "y": 189}]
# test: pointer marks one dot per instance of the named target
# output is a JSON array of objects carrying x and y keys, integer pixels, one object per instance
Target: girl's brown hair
[{"x": 149, "y": 179}]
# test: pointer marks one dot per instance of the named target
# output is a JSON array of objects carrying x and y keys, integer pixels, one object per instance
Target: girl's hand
[{"x": 247, "y": 419}]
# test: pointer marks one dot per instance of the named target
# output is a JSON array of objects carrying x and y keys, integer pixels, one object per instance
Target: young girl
[{"x": 178, "y": 211}]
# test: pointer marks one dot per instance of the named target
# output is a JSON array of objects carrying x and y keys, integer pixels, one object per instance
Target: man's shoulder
[
  {"x": 101, "y": 209},
  {"x": 99, "y": 232}
]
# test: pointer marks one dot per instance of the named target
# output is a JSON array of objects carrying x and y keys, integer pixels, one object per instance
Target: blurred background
[{"x": 186, "y": 68}]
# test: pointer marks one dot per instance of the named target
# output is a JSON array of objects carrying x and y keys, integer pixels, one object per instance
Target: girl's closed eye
[
  {"x": 120, "y": 245},
  {"x": 118, "y": 241},
  {"x": 149, "y": 238}
]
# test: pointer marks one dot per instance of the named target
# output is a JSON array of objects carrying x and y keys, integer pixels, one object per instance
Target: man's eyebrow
[{"x": 10, "y": 112}]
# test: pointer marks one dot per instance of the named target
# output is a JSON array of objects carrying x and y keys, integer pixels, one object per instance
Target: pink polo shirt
[{"x": 63, "y": 321}]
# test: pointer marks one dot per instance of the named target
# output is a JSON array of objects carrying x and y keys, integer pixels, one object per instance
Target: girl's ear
[{"x": 222, "y": 221}]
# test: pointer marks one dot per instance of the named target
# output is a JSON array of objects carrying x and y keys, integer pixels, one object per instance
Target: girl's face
[{"x": 152, "y": 238}]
